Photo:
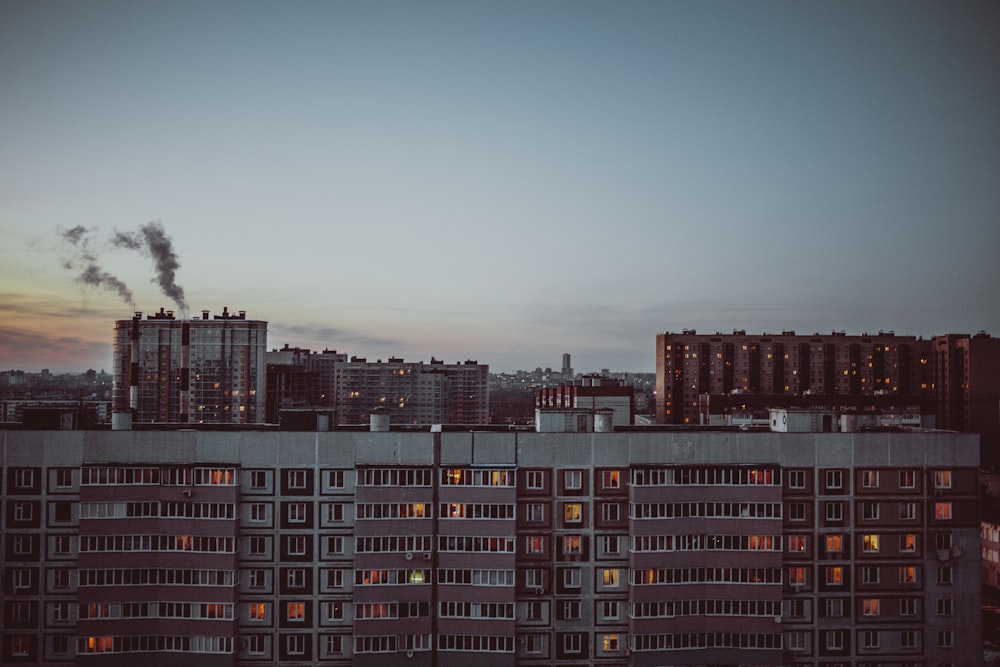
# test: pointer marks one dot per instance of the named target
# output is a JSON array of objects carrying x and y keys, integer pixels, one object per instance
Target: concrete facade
[{"x": 640, "y": 547}]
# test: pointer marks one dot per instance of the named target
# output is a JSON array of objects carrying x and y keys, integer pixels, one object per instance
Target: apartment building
[
  {"x": 353, "y": 547},
  {"x": 202, "y": 371},
  {"x": 741, "y": 372},
  {"x": 412, "y": 392}
]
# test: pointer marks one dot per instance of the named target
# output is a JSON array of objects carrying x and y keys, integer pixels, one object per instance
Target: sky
[{"x": 498, "y": 181}]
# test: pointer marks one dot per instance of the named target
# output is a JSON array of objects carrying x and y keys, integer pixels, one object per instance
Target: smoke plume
[
  {"x": 151, "y": 240},
  {"x": 84, "y": 261}
]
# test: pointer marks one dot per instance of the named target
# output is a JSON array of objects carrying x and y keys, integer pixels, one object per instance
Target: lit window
[
  {"x": 835, "y": 576},
  {"x": 942, "y": 511},
  {"x": 907, "y": 479},
  {"x": 908, "y": 543},
  {"x": 296, "y": 611},
  {"x": 870, "y": 606},
  {"x": 611, "y": 479},
  {"x": 908, "y": 575},
  {"x": 258, "y": 611},
  {"x": 573, "y": 512},
  {"x": 797, "y": 543},
  {"x": 869, "y": 479},
  {"x": 610, "y": 643},
  {"x": 942, "y": 479},
  {"x": 834, "y": 543},
  {"x": 870, "y": 543},
  {"x": 609, "y": 576}
]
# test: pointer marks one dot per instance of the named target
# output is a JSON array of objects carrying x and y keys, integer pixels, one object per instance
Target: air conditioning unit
[
  {"x": 409, "y": 653},
  {"x": 426, "y": 555},
  {"x": 956, "y": 551},
  {"x": 539, "y": 590},
  {"x": 187, "y": 493},
  {"x": 409, "y": 555},
  {"x": 777, "y": 619}
]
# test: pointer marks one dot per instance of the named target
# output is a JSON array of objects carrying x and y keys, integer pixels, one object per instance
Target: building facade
[
  {"x": 967, "y": 381},
  {"x": 744, "y": 372},
  {"x": 412, "y": 392},
  {"x": 636, "y": 547},
  {"x": 204, "y": 371}
]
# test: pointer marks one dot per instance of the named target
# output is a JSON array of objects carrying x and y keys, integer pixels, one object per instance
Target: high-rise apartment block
[
  {"x": 205, "y": 371},
  {"x": 967, "y": 382},
  {"x": 412, "y": 392},
  {"x": 742, "y": 372},
  {"x": 498, "y": 548}
]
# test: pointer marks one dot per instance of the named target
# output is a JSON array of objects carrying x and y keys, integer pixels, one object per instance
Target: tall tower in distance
[
  {"x": 207, "y": 371},
  {"x": 567, "y": 369}
]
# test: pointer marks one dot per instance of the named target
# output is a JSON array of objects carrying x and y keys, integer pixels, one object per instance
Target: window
[
  {"x": 334, "y": 644},
  {"x": 295, "y": 611},
  {"x": 908, "y": 543},
  {"x": 609, "y": 643},
  {"x": 534, "y": 611},
  {"x": 335, "y": 544},
  {"x": 942, "y": 511},
  {"x": 869, "y": 479},
  {"x": 942, "y": 479},
  {"x": 945, "y": 639},
  {"x": 573, "y": 512},
  {"x": 907, "y": 606},
  {"x": 834, "y": 544},
  {"x": 296, "y": 512},
  {"x": 335, "y": 479},
  {"x": 64, "y": 478},
  {"x": 834, "y": 640},
  {"x": 796, "y": 511},
  {"x": 257, "y": 545},
  {"x": 869, "y": 511},
  {"x": 535, "y": 480},
  {"x": 571, "y": 577},
  {"x": 534, "y": 544},
  {"x": 296, "y": 578},
  {"x": 907, "y": 511},
  {"x": 945, "y": 574},
  {"x": 869, "y": 574},
  {"x": 609, "y": 576},
  {"x": 297, "y": 545},
  {"x": 296, "y": 479},
  {"x": 908, "y": 639},
  {"x": 609, "y": 609},
  {"x": 256, "y": 579},
  {"x": 797, "y": 576},
  {"x": 257, "y": 611},
  {"x": 797, "y": 543},
  {"x": 61, "y": 545},
  {"x": 834, "y": 479},
  {"x": 335, "y": 513},
  {"x": 23, "y": 511},
  {"x": 572, "y": 643},
  {"x": 535, "y": 512},
  {"x": 796, "y": 479},
  {"x": 611, "y": 479},
  {"x": 835, "y": 576},
  {"x": 908, "y": 574},
  {"x": 258, "y": 512},
  {"x": 833, "y": 608},
  {"x": 573, "y": 479},
  {"x": 534, "y": 578},
  {"x": 869, "y": 543},
  {"x": 870, "y": 639},
  {"x": 870, "y": 606},
  {"x": 295, "y": 644},
  {"x": 24, "y": 478},
  {"x": 610, "y": 544},
  {"x": 258, "y": 479},
  {"x": 335, "y": 579},
  {"x": 23, "y": 545},
  {"x": 570, "y": 610},
  {"x": 834, "y": 512},
  {"x": 572, "y": 545},
  {"x": 943, "y": 541},
  {"x": 907, "y": 479},
  {"x": 334, "y": 610},
  {"x": 945, "y": 606},
  {"x": 610, "y": 512}
]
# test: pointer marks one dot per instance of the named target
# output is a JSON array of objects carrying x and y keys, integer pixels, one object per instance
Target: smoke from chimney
[
  {"x": 150, "y": 241},
  {"x": 84, "y": 261}
]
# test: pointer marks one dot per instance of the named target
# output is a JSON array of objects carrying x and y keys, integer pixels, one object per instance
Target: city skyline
[{"x": 502, "y": 182}]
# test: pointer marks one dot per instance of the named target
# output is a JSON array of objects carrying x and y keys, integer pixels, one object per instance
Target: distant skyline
[{"x": 500, "y": 181}]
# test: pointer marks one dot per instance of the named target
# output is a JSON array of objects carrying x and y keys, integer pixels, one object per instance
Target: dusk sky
[{"x": 502, "y": 181}]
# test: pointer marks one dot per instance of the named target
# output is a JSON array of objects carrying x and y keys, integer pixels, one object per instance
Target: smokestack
[
  {"x": 185, "y": 397},
  {"x": 133, "y": 375},
  {"x": 121, "y": 419}
]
